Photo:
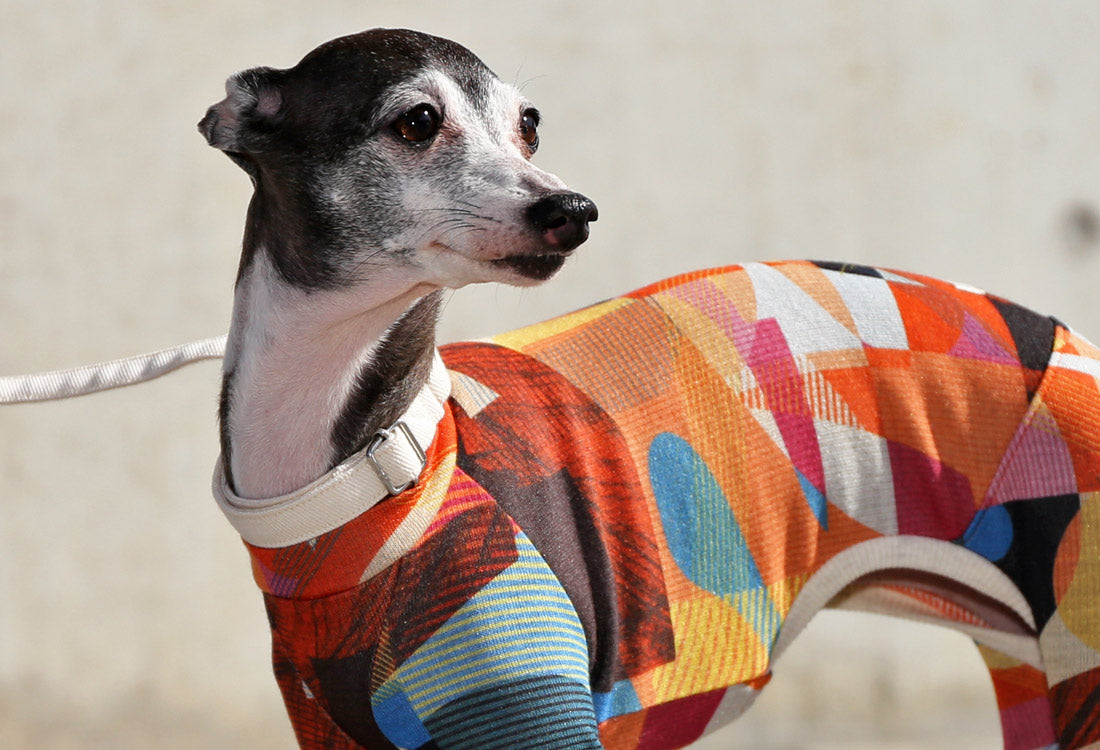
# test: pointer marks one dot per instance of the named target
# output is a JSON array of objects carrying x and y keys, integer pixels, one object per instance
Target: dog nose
[{"x": 563, "y": 218}]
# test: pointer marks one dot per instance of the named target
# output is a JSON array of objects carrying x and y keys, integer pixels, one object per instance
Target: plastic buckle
[{"x": 379, "y": 440}]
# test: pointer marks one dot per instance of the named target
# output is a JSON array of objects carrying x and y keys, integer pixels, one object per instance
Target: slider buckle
[{"x": 380, "y": 439}]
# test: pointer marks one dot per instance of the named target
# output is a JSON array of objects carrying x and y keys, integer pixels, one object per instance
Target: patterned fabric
[{"x": 631, "y": 509}]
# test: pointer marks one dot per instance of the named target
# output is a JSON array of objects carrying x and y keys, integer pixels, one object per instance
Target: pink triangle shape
[
  {"x": 975, "y": 342},
  {"x": 1036, "y": 464}
]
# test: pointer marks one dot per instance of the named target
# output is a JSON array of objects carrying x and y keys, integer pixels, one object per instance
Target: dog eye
[
  {"x": 529, "y": 128},
  {"x": 418, "y": 124}
]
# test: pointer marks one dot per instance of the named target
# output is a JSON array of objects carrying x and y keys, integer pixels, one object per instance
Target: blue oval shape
[{"x": 703, "y": 534}]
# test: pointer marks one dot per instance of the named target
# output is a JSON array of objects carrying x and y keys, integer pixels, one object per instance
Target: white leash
[{"x": 119, "y": 373}]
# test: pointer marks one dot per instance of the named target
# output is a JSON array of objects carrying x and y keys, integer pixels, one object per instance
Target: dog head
[{"x": 395, "y": 152}]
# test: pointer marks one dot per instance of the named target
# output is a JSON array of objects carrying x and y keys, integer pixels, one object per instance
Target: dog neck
[{"x": 310, "y": 375}]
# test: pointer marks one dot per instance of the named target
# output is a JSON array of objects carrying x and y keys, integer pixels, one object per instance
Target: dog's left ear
[{"x": 252, "y": 108}]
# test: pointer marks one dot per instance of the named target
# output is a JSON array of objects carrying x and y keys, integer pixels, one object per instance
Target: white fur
[{"x": 295, "y": 356}]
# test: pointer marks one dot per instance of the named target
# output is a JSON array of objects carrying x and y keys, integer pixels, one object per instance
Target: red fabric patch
[
  {"x": 933, "y": 500},
  {"x": 679, "y": 723}
]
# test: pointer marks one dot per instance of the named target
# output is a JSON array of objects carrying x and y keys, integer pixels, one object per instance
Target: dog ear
[{"x": 252, "y": 107}]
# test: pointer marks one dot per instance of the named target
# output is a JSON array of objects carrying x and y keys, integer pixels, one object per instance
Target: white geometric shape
[
  {"x": 1077, "y": 363},
  {"x": 891, "y": 276},
  {"x": 825, "y": 403},
  {"x": 964, "y": 287},
  {"x": 858, "y": 476},
  {"x": 471, "y": 395},
  {"x": 873, "y": 308},
  {"x": 1064, "y": 654},
  {"x": 806, "y": 325}
]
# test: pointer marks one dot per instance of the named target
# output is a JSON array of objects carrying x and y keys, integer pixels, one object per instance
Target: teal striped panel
[{"x": 520, "y": 624}]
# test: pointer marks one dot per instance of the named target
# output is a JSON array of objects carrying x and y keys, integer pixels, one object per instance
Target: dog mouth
[{"x": 539, "y": 266}]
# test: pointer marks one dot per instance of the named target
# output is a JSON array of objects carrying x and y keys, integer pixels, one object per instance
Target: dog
[{"x": 601, "y": 531}]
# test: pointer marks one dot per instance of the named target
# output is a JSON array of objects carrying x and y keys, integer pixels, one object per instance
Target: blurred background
[{"x": 956, "y": 139}]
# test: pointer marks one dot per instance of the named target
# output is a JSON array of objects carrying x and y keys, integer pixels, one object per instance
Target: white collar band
[{"x": 392, "y": 462}]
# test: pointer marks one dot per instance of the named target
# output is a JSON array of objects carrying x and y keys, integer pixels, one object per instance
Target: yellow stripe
[
  {"x": 459, "y": 673},
  {"x": 465, "y": 682},
  {"x": 460, "y": 636},
  {"x": 459, "y": 646},
  {"x": 524, "y": 337}
]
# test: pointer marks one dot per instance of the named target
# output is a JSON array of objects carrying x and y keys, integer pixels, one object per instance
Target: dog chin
[
  {"x": 453, "y": 268},
  {"x": 530, "y": 269}
]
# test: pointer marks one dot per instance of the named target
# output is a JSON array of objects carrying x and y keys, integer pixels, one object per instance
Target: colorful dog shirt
[{"x": 628, "y": 511}]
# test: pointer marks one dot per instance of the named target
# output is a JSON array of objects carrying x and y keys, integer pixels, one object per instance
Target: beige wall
[{"x": 960, "y": 139}]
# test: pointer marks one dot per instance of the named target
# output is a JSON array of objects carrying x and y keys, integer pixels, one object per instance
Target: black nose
[{"x": 563, "y": 218}]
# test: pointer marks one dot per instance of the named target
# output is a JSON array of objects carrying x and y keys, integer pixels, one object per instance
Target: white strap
[
  {"x": 80, "y": 381},
  {"x": 351, "y": 488}
]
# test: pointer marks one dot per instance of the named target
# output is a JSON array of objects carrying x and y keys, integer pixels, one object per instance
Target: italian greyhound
[{"x": 601, "y": 531}]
